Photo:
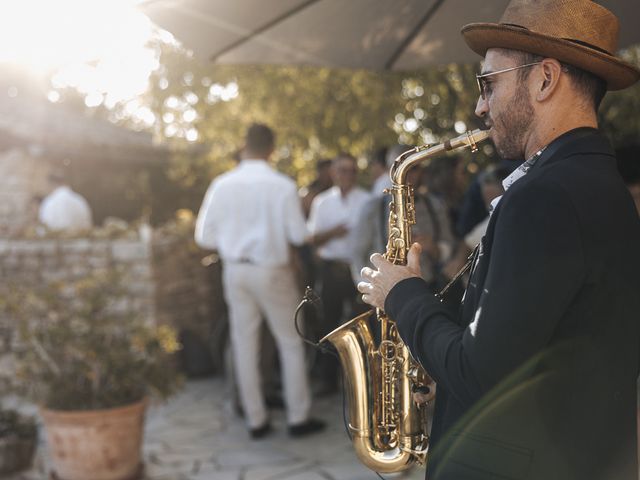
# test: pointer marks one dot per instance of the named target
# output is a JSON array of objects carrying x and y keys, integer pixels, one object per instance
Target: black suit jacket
[{"x": 537, "y": 375}]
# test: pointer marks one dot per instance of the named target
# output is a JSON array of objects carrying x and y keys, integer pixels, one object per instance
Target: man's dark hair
[
  {"x": 260, "y": 139},
  {"x": 344, "y": 155},
  {"x": 592, "y": 88},
  {"x": 322, "y": 164}
]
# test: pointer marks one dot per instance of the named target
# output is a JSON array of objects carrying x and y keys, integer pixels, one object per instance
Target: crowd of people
[{"x": 265, "y": 230}]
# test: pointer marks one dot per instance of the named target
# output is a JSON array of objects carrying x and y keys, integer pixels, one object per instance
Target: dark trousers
[{"x": 341, "y": 302}]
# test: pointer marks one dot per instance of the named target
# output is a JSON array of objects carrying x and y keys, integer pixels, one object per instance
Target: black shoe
[
  {"x": 306, "y": 428},
  {"x": 260, "y": 432}
]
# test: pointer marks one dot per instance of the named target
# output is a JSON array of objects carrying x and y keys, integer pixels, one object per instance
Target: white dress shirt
[
  {"x": 330, "y": 209},
  {"x": 64, "y": 209},
  {"x": 251, "y": 214}
]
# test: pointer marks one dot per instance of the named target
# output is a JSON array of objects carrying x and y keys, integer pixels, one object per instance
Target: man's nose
[{"x": 482, "y": 107}]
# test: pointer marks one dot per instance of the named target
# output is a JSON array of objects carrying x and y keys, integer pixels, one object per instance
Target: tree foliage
[
  {"x": 316, "y": 112},
  {"x": 204, "y": 109}
]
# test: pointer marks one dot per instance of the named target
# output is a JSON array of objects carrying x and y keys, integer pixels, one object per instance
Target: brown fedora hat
[{"x": 577, "y": 32}]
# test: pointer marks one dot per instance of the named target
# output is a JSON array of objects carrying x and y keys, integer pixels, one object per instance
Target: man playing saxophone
[{"x": 537, "y": 374}]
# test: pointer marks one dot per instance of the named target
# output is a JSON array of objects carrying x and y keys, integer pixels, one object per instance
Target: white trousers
[{"x": 253, "y": 292}]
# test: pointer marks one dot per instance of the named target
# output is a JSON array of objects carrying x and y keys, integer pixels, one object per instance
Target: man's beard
[{"x": 512, "y": 125}]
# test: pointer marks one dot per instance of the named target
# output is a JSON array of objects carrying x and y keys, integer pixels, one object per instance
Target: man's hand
[
  {"x": 321, "y": 238},
  {"x": 378, "y": 283},
  {"x": 339, "y": 231}
]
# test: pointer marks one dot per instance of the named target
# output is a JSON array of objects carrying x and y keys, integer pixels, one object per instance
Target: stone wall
[
  {"x": 23, "y": 181},
  {"x": 162, "y": 273},
  {"x": 188, "y": 293},
  {"x": 189, "y": 296}
]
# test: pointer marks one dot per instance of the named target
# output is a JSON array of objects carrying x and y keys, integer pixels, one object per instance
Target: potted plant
[
  {"x": 90, "y": 364},
  {"x": 18, "y": 437}
]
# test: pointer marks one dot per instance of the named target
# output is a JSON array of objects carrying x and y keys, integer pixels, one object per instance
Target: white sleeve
[
  {"x": 314, "y": 214},
  {"x": 205, "y": 224},
  {"x": 44, "y": 212}
]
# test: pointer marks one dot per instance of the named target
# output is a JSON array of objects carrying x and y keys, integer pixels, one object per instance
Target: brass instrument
[{"x": 387, "y": 427}]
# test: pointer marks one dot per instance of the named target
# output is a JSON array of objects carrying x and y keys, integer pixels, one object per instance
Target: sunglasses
[{"x": 482, "y": 84}]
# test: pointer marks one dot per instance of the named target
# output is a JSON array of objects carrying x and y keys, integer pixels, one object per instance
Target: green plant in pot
[{"x": 91, "y": 364}]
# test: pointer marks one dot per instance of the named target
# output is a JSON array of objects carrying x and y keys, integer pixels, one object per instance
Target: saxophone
[{"x": 387, "y": 427}]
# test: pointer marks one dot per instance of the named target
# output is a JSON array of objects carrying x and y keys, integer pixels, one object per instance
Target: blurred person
[
  {"x": 63, "y": 209},
  {"x": 372, "y": 222},
  {"x": 548, "y": 333},
  {"x": 490, "y": 182},
  {"x": 251, "y": 215},
  {"x": 307, "y": 268},
  {"x": 381, "y": 162},
  {"x": 331, "y": 222},
  {"x": 446, "y": 179},
  {"x": 432, "y": 229},
  {"x": 321, "y": 183},
  {"x": 491, "y": 188},
  {"x": 473, "y": 209}
]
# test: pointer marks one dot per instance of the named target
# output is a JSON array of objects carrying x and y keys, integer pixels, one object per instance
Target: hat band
[
  {"x": 588, "y": 45},
  {"x": 578, "y": 42}
]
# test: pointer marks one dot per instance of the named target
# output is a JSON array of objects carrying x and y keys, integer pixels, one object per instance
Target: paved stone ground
[{"x": 196, "y": 436}]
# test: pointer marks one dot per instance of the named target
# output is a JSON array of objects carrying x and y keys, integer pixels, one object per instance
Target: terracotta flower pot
[
  {"x": 96, "y": 444},
  {"x": 16, "y": 453}
]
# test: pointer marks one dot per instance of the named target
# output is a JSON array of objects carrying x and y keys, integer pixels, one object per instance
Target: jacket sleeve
[{"x": 536, "y": 269}]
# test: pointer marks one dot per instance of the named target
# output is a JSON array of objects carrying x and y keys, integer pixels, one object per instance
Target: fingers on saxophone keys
[
  {"x": 365, "y": 287},
  {"x": 376, "y": 259},
  {"x": 367, "y": 273}
]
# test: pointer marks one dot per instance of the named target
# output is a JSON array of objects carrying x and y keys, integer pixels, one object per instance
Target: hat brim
[{"x": 617, "y": 73}]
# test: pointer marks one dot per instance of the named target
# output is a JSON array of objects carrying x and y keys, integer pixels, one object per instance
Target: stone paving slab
[{"x": 196, "y": 436}]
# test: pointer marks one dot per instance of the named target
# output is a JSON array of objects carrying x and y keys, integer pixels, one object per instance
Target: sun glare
[{"x": 96, "y": 46}]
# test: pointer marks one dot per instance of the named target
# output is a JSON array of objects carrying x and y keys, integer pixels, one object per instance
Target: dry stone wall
[
  {"x": 23, "y": 177},
  {"x": 164, "y": 279}
]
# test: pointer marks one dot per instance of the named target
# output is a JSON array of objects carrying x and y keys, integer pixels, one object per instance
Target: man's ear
[{"x": 549, "y": 77}]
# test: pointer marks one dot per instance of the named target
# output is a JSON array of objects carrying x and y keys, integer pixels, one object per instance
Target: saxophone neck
[
  {"x": 402, "y": 210},
  {"x": 416, "y": 155}
]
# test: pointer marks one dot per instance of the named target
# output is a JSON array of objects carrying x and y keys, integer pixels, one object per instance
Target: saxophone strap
[{"x": 465, "y": 268}]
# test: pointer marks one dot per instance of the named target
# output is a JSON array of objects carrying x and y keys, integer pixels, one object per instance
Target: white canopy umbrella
[{"x": 373, "y": 34}]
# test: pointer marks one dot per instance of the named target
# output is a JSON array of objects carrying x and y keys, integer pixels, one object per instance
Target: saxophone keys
[{"x": 398, "y": 243}]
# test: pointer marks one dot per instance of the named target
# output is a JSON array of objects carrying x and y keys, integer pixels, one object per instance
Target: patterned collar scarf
[{"x": 516, "y": 175}]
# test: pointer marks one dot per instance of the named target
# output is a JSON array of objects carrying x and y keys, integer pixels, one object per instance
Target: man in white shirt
[
  {"x": 333, "y": 216},
  {"x": 379, "y": 166},
  {"x": 63, "y": 209},
  {"x": 252, "y": 215}
]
